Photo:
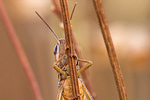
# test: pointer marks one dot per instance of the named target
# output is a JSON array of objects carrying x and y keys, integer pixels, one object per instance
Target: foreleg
[{"x": 89, "y": 63}]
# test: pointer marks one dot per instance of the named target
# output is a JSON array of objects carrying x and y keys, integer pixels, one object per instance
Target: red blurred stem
[{"x": 20, "y": 52}]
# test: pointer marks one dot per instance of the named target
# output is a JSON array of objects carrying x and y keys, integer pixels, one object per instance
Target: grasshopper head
[{"x": 60, "y": 49}]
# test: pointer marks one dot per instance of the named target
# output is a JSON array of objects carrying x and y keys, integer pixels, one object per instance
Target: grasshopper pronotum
[{"x": 62, "y": 67}]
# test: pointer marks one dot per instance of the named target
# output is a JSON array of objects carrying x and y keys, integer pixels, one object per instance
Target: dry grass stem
[
  {"x": 70, "y": 48},
  {"x": 111, "y": 51}
]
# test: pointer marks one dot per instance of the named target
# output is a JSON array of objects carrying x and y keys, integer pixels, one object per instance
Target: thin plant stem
[
  {"x": 85, "y": 73},
  {"x": 20, "y": 52},
  {"x": 110, "y": 50},
  {"x": 70, "y": 49}
]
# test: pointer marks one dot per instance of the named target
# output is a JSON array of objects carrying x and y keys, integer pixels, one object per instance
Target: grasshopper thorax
[{"x": 60, "y": 51}]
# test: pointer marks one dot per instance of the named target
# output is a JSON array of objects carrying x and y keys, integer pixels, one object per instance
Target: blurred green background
[{"x": 129, "y": 23}]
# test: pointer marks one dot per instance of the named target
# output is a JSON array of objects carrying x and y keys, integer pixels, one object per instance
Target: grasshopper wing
[{"x": 59, "y": 96}]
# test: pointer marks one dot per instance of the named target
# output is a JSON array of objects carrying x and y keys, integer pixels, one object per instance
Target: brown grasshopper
[{"x": 62, "y": 67}]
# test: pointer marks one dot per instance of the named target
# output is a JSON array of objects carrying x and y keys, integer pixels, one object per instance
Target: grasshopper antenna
[
  {"x": 73, "y": 10},
  {"x": 48, "y": 27}
]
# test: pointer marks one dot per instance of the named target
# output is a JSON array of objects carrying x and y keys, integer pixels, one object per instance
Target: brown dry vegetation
[{"x": 129, "y": 25}]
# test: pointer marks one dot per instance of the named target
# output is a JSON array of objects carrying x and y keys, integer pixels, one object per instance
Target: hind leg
[{"x": 87, "y": 92}]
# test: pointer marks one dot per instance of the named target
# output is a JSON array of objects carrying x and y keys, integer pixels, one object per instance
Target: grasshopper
[{"x": 62, "y": 67}]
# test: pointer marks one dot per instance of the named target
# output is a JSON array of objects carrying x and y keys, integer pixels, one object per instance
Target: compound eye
[{"x": 55, "y": 49}]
